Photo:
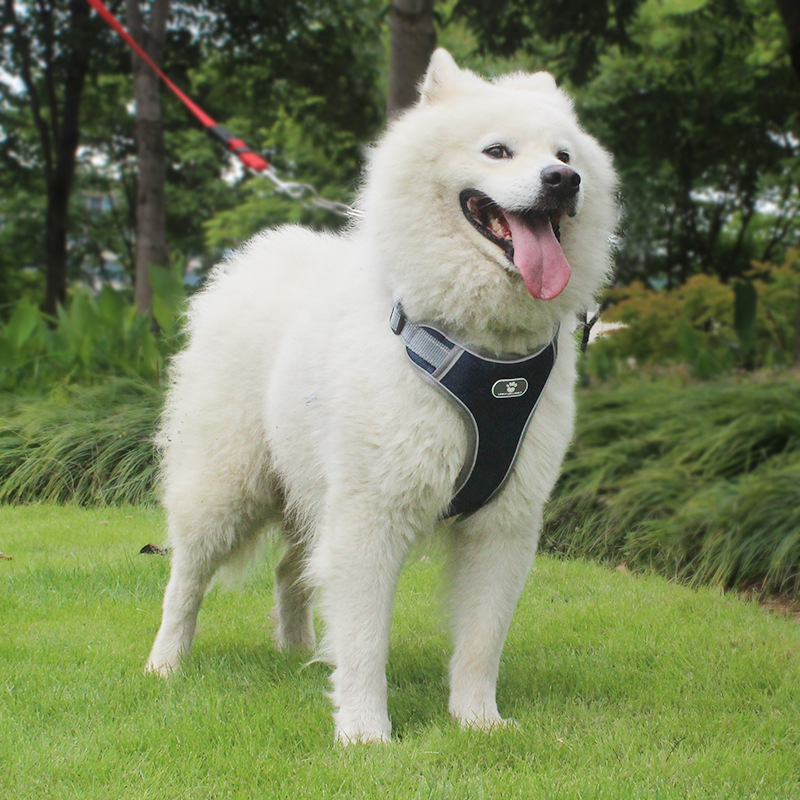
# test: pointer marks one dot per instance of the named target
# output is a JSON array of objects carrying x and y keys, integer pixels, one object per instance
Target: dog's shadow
[
  {"x": 416, "y": 674},
  {"x": 260, "y": 664},
  {"x": 418, "y": 687}
]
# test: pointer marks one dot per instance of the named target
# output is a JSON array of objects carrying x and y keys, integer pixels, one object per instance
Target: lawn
[{"x": 624, "y": 686}]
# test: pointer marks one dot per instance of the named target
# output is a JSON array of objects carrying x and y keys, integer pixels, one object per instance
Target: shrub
[
  {"x": 710, "y": 326},
  {"x": 88, "y": 445},
  {"x": 698, "y": 482},
  {"x": 92, "y": 338}
]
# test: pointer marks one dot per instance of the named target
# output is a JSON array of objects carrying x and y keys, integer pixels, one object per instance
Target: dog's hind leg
[
  {"x": 200, "y": 545},
  {"x": 293, "y": 611},
  {"x": 187, "y": 586},
  {"x": 489, "y": 567}
]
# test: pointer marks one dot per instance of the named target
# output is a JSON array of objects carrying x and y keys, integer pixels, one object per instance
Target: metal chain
[{"x": 306, "y": 194}]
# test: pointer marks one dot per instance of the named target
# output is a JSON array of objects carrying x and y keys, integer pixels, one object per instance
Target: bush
[
  {"x": 710, "y": 326},
  {"x": 92, "y": 338},
  {"x": 87, "y": 445},
  {"x": 698, "y": 483}
]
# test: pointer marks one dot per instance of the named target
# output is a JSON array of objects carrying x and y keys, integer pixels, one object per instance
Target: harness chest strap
[{"x": 496, "y": 398}]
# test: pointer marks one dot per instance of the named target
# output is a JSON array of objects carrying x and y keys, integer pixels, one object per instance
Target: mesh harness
[{"x": 496, "y": 398}]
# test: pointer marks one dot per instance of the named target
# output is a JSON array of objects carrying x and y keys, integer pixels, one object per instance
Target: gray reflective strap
[{"x": 418, "y": 340}]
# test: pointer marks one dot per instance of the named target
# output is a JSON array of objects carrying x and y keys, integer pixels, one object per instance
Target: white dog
[{"x": 487, "y": 214}]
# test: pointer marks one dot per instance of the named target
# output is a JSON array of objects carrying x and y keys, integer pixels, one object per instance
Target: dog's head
[{"x": 491, "y": 207}]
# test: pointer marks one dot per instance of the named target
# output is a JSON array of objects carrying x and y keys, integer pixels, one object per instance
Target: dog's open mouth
[{"x": 531, "y": 240}]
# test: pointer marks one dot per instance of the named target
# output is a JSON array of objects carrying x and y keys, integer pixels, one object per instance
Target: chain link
[{"x": 306, "y": 194}]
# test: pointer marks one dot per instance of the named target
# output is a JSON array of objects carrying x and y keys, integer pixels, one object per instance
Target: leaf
[
  {"x": 154, "y": 550},
  {"x": 169, "y": 295},
  {"x": 25, "y": 319}
]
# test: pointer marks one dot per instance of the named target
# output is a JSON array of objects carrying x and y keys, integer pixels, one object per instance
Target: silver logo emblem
[{"x": 514, "y": 387}]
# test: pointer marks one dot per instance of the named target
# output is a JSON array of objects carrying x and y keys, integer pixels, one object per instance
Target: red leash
[{"x": 250, "y": 159}]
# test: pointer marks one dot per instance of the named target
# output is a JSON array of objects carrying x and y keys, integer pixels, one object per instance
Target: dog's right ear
[{"x": 442, "y": 74}]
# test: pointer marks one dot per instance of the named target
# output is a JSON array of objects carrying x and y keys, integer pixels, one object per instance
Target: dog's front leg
[
  {"x": 355, "y": 565},
  {"x": 489, "y": 565}
]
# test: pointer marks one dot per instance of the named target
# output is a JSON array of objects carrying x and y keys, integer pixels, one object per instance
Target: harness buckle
[{"x": 397, "y": 320}]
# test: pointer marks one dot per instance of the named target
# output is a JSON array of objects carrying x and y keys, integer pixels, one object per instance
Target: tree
[
  {"x": 582, "y": 30},
  {"x": 49, "y": 45},
  {"x": 698, "y": 105},
  {"x": 305, "y": 91},
  {"x": 790, "y": 12},
  {"x": 151, "y": 235},
  {"x": 413, "y": 39},
  {"x": 699, "y": 118}
]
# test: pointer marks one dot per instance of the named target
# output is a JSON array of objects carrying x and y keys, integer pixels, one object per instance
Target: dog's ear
[
  {"x": 539, "y": 82},
  {"x": 531, "y": 81},
  {"x": 442, "y": 74}
]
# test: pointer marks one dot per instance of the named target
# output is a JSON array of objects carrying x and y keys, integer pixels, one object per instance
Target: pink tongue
[{"x": 538, "y": 256}]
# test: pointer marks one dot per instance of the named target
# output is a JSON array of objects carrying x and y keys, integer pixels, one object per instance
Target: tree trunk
[
  {"x": 151, "y": 239},
  {"x": 57, "y": 122},
  {"x": 55, "y": 239},
  {"x": 413, "y": 39},
  {"x": 790, "y": 12}
]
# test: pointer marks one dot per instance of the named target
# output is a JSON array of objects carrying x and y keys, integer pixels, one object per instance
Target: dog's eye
[
  {"x": 563, "y": 155},
  {"x": 498, "y": 151}
]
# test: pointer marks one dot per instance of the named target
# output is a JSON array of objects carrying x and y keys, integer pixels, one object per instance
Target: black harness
[{"x": 496, "y": 397}]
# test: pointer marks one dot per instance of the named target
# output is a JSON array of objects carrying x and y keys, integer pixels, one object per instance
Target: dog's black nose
[{"x": 561, "y": 181}]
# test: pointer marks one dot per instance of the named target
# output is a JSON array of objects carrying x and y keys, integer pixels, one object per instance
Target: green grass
[{"x": 624, "y": 686}]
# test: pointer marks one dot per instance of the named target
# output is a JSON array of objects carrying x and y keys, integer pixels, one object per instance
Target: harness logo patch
[{"x": 513, "y": 387}]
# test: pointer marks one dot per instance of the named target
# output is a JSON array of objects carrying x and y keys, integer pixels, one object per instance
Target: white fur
[{"x": 294, "y": 401}]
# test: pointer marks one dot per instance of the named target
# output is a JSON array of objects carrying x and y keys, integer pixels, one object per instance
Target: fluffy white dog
[{"x": 487, "y": 213}]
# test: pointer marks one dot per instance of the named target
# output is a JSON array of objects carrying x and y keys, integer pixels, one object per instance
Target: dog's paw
[
  {"x": 480, "y": 717},
  {"x": 361, "y": 737},
  {"x": 356, "y": 730},
  {"x": 161, "y": 666},
  {"x": 487, "y": 725}
]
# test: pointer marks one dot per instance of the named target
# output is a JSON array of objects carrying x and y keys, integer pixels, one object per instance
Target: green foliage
[
  {"x": 169, "y": 296},
  {"x": 582, "y": 31},
  {"x": 91, "y": 339},
  {"x": 708, "y": 325},
  {"x": 622, "y": 686},
  {"x": 259, "y": 206},
  {"x": 82, "y": 445},
  {"x": 312, "y": 66},
  {"x": 698, "y": 482},
  {"x": 745, "y": 307},
  {"x": 303, "y": 92},
  {"x": 696, "y": 116}
]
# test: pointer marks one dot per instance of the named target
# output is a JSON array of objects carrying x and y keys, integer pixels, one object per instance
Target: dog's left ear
[
  {"x": 530, "y": 81},
  {"x": 540, "y": 82},
  {"x": 442, "y": 74}
]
